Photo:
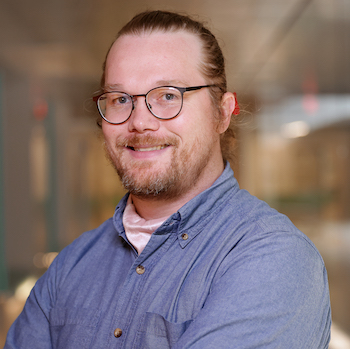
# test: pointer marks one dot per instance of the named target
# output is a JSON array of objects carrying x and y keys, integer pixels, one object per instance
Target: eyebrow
[
  {"x": 170, "y": 83},
  {"x": 112, "y": 87}
]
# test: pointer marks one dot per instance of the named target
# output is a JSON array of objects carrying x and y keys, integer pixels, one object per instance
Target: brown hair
[{"x": 212, "y": 65}]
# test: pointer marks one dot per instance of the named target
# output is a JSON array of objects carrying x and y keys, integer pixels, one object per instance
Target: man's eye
[
  {"x": 120, "y": 100},
  {"x": 169, "y": 96}
]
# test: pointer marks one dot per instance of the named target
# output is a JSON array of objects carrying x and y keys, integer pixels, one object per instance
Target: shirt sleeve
[
  {"x": 31, "y": 328},
  {"x": 271, "y": 292}
]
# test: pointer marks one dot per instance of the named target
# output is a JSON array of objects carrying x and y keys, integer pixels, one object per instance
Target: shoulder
[
  {"x": 258, "y": 234},
  {"x": 252, "y": 213},
  {"x": 85, "y": 248}
]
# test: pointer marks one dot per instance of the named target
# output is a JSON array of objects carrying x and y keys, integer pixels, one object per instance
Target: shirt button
[
  {"x": 184, "y": 236},
  {"x": 118, "y": 332},
  {"x": 140, "y": 269}
]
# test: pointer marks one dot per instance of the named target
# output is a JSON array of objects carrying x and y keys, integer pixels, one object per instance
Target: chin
[{"x": 148, "y": 183}]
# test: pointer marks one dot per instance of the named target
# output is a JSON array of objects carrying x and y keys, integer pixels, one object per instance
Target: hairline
[{"x": 150, "y": 31}]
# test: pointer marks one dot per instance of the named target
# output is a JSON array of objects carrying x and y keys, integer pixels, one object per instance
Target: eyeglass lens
[{"x": 162, "y": 102}]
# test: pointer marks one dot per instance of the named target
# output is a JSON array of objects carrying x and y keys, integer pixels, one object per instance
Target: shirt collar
[
  {"x": 191, "y": 215},
  {"x": 194, "y": 214}
]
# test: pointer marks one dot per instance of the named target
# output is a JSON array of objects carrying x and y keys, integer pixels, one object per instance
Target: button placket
[{"x": 128, "y": 301}]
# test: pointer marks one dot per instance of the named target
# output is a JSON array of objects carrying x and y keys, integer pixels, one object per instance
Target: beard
[{"x": 150, "y": 179}]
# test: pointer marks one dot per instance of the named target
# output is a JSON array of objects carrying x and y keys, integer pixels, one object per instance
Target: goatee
[
  {"x": 150, "y": 179},
  {"x": 137, "y": 177}
]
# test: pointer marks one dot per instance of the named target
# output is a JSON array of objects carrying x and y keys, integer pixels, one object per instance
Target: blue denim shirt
[{"x": 225, "y": 271}]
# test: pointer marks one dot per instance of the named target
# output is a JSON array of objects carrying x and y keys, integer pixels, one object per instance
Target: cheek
[{"x": 110, "y": 132}]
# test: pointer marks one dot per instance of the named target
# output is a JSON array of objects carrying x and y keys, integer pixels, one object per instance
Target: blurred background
[{"x": 288, "y": 61}]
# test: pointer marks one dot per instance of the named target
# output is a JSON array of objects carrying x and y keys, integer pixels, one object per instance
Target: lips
[
  {"x": 147, "y": 143},
  {"x": 153, "y": 148}
]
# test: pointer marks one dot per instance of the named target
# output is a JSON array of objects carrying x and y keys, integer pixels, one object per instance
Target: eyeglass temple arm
[{"x": 193, "y": 88}]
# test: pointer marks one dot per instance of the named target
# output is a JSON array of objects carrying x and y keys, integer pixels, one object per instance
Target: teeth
[{"x": 159, "y": 147}]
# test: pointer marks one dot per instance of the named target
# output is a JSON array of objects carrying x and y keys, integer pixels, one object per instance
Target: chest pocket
[
  {"x": 157, "y": 332},
  {"x": 73, "y": 328}
]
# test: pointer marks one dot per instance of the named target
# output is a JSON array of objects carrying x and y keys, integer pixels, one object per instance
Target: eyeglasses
[{"x": 164, "y": 102}]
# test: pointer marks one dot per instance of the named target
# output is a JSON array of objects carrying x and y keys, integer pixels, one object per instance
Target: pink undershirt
[{"x": 137, "y": 229}]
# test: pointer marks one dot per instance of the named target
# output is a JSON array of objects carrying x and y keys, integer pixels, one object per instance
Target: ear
[{"x": 228, "y": 104}]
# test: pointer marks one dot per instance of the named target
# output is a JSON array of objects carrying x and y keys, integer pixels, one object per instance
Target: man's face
[{"x": 162, "y": 158}]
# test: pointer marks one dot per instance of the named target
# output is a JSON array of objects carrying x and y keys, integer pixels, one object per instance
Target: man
[{"x": 188, "y": 260}]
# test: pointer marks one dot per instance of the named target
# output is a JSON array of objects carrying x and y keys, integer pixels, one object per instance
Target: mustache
[{"x": 150, "y": 140}]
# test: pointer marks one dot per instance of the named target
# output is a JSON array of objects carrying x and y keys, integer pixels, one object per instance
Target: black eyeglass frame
[{"x": 181, "y": 89}]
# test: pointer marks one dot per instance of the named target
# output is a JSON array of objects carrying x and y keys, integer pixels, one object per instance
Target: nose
[{"x": 141, "y": 119}]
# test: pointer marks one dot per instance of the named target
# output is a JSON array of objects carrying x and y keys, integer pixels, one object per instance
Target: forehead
[{"x": 156, "y": 56}]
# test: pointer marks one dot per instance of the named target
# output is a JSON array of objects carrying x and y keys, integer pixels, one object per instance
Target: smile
[{"x": 159, "y": 147}]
